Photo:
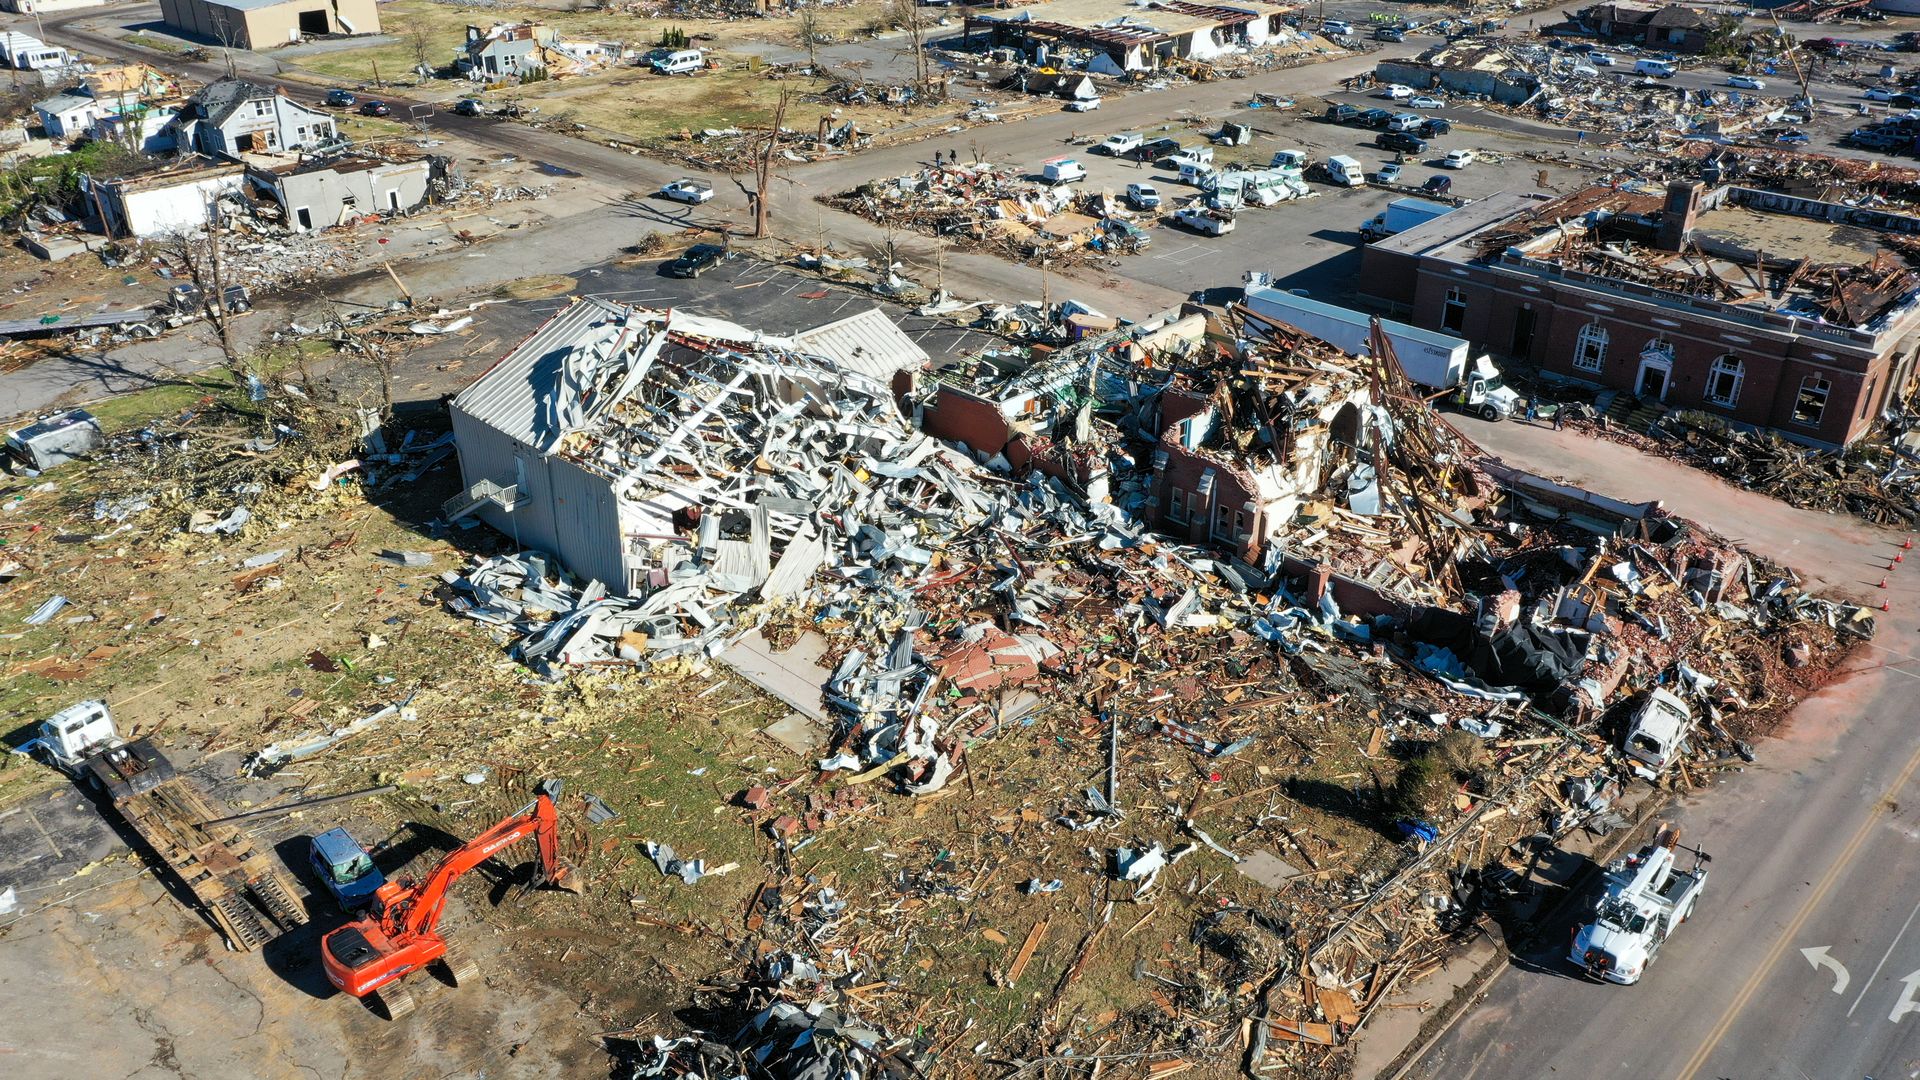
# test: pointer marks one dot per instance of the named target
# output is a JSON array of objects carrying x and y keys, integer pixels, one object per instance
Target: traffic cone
[
  {"x": 1883, "y": 583},
  {"x": 1884, "y": 606},
  {"x": 1908, "y": 546}
]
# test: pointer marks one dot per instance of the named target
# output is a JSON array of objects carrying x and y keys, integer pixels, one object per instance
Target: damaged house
[
  {"x": 1482, "y": 70},
  {"x": 233, "y": 117},
  {"x": 163, "y": 201},
  {"x": 1673, "y": 26},
  {"x": 324, "y": 192},
  {"x": 613, "y": 432},
  {"x": 1128, "y": 37}
]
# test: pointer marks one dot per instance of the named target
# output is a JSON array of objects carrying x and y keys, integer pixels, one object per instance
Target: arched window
[
  {"x": 1724, "y": 379},
  {"x": 1590, "y": 350}
]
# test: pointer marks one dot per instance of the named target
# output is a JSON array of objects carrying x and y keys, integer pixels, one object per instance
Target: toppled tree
[{"x": 1435, "y": 772}]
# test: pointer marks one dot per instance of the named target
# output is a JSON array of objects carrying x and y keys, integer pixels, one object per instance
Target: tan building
[{"x": 265, "y": 24}]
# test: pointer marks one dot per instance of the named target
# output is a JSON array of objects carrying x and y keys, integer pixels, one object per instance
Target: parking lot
[{"x": 1314, "y": 243}]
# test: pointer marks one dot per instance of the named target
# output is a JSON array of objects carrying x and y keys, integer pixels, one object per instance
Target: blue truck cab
[{"x": 346, "y": 868}]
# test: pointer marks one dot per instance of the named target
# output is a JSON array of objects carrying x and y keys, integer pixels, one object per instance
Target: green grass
[{"x": 157, "y": 44}]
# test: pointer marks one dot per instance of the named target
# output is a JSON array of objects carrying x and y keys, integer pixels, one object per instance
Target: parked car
[
  {"x": 1336, "y": 27},
  {"x": 1457, "y": 159},
  {"x": 1871, "y": 94},
  {"x": 1904, "y": 101},
  {"x": 1157, "y": 149},
  {"x": 1083, "y": 104},
  {"x": 687, "y": 190},
  {"x": 1341, "y": 114},
  {"x": 1388, "y": 33},
  {"x": 1437, "y": 185},
  {"x": 1588, "y": 70},
  {"x": 1405, "y": 121},
  {"x": 1746, "y": 82},
  {"x": 1143, "y": 196},
  {"x": 1791, "y": 137},
  {"x": 1394, "y": 92},
  {"x": 1600, "y": 59},
  {"x": 345, "y": 868},
  {"x": 1388, "y": 174},
  {"x": 1401, "y": 141},
  {"x": 1120, "y": 143},
  {"x": 1374, "y": 118},
  {"x": 376, "y": 108},
  {"x": 1422, "y": 101},
  {"x": 469, "y": 107},
  {"x": 1432, "y": 126},
  {"x": 698, "y": 259},
  {"x": 347, "y": 99}
]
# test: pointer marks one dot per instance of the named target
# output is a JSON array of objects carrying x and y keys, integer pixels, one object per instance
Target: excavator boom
[{"x": 401, "y": 933}]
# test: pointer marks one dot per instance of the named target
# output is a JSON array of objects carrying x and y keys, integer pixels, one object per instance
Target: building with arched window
[{"x": 1773, "y": 311}]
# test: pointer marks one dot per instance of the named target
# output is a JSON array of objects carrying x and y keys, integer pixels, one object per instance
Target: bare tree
[
  {"x": 808, "y": 27},
  {"x": 906, "y": 13},
  {"x": 765, "y": 169},
  {"x": 202, "y": 258},
  {"x": 420, "y": 40}
]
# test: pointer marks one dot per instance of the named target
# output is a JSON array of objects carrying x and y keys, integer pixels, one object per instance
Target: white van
[
  {"x": 1658, "y": 69},
  {"x": 683, "y": 62},
  {"x": 1062, "y": 171},
  {"x": 1345, "y": 171}
]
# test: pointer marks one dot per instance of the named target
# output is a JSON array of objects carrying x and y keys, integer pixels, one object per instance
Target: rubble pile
[
  {"x": 995, "y": 206},
  {"x": 1210, "y": 701}
]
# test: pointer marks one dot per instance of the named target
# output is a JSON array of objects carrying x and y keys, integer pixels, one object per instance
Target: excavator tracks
[{"x": 242, "y": 889}]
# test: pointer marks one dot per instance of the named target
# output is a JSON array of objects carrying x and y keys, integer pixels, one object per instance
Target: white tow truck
[{"x": 1643, "y": 899}]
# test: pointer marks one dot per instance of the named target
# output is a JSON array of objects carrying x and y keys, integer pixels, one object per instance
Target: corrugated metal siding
[
  {"x": 868, "y": 343},
  {"x": 514, "y": 396},
  {"x": 588, "y": 525}
]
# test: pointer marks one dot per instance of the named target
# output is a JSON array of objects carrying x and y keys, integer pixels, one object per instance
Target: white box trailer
[{"x": 1430, "y": 359}]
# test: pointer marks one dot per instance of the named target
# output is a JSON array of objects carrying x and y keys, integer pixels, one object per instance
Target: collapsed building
[
  {"x": 1479, "y": 70},
  {"x": 1675, "y": 27},
  {"x": 1119, "y": 38},
  {"x": 1773, "y": 311},
  {"x": 720, "y": 490}
]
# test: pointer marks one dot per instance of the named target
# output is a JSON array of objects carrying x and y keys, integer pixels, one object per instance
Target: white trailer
[
  {"x": 1434, "y": 360},
  {"x": 1401, "y": 215}
]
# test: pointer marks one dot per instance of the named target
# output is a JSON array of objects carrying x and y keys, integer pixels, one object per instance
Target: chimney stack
[{"x": 1681, "y": 213}]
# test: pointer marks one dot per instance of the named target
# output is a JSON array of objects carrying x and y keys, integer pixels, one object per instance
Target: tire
[
  {"x": 1489, "y": 413},
  {"x": 396, "y": 1001}
]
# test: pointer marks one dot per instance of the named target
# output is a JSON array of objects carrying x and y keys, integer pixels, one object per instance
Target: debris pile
[
  {"x": 1247, "y": 608},
  {"x": 995, "y": 206}
]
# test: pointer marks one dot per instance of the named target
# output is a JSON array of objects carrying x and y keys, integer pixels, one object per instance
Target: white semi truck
[
  {"x": 1644, "y": 898},
  {"x": 1430, "y": 359}
]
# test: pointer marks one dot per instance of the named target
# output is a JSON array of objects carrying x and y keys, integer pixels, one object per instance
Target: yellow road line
[{"x": 1699, "y": 1059}]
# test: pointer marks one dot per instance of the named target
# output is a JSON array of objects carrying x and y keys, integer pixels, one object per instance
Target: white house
[
  {"x": 234, "y": 117},
  {"x": 67, "y": 115},
  {"x": 163, "y": 203}
]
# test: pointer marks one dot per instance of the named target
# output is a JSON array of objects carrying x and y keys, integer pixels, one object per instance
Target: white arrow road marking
[
  {"x": 1906, "y": 1004},
  {"x": 1818, "y": 957},
  {"x": 1884, "y": 957}
]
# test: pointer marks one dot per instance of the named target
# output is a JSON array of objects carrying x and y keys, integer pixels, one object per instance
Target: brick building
[{"x": 1770, "y": 310}]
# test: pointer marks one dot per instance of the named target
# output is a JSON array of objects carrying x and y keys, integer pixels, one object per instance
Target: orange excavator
[{"x": 400, "y": 932}]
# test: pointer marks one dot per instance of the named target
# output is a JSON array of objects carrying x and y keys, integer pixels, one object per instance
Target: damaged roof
[{"x": 869, "y": 343}]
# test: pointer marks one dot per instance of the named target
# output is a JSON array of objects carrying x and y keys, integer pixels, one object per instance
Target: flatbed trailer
[{"x": 241, "y": 888}]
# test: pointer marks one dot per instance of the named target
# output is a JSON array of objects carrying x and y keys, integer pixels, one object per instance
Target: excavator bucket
[{"x": 565, "y": 877}]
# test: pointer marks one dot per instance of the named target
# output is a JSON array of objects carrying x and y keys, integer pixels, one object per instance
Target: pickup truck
[{"x": 1121, "y": 143}]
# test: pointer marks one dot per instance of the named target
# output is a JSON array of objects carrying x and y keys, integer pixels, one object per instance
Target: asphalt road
[{"x": 1814, "y": 848}]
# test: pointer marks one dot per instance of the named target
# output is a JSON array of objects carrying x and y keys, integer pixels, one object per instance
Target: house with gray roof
[{"x": 233, "y": 117}]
